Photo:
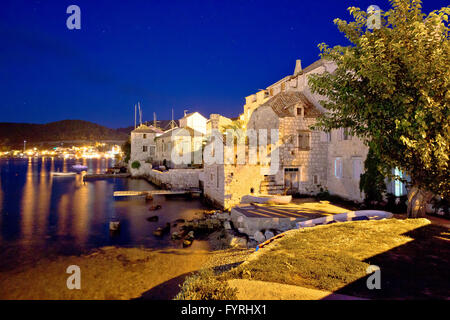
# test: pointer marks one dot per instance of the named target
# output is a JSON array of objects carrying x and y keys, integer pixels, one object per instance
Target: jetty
[
  {"x": 94, "y": 176},
  {"x": 151, "y": 193}
]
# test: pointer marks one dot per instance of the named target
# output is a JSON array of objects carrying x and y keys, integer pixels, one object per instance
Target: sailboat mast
[{"x": 140, "y": 113}]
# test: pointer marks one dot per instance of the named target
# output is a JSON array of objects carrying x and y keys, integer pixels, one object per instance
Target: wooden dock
[
  {"x": 93, "y": 176},
  {"x": 153, "y": 193}
]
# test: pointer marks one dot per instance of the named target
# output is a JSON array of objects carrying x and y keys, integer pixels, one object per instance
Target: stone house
[
  {"x": 309, "y": 161},
  {"x": 216, "y": 121},
  {"x": 143, "y": 145},
  {"x": 172, "y": 148},
  {"x": 195, "y": 121}
]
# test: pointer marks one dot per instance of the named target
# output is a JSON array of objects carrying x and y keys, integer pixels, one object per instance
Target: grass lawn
[{"x": 413, "y": 255}]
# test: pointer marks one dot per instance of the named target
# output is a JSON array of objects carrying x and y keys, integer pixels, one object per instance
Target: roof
[
  {"x": 316, "y": 64},
  {"x": 180, "y": 132},
  {"x": 147, "y": 129},
  {"x": 282, "y": 102},
  {"x": 187, "y": 115}
]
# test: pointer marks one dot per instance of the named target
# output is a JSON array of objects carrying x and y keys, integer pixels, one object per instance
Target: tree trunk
[{"x": 417, "y": 202}]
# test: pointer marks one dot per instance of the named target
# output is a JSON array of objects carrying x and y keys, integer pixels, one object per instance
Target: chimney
[{"x": 298, "y": 67}]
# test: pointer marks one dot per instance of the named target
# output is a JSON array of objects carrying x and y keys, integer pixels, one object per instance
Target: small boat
[
  {"x": 64, "y": 174},
  {"x": 269, "y": 199},
  {"x": 79, "y": 167},
  {"x": 189, "y": 239},
  {"x": 159, "y": 232},
  {"x": 114, "y": 225}
]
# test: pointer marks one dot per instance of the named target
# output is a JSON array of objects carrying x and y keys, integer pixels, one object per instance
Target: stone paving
[{"x": 280, "y": 211}]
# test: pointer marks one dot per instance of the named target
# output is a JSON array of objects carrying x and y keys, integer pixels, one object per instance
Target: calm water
[{"x": 42, "y": 215}]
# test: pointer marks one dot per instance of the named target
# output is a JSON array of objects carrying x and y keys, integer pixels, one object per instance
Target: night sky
[{"x": 201, "y": 56}]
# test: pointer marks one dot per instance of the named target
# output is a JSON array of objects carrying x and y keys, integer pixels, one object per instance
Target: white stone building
[
  {"x": 309, "y": 161},
  {"x": 194, "y": 120},
  {"x": 143, "y": 145},
  {"x": 179, "y": 148}
]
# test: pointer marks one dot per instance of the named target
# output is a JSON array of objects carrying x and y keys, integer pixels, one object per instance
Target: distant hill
[{"x": 13, "y": 134}]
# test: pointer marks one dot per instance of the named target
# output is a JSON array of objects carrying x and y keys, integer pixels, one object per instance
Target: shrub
[
  {"x": 136, "y": 165},
  {"x": 205, "y": 285},
  {"x": 372, "y": 180}
]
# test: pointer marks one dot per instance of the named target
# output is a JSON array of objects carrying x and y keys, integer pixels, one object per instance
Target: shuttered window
[{"x": 303, "y": 140}]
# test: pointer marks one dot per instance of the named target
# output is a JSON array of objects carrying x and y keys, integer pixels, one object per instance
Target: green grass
[
  {"x": 413, "y": 256},
  {"x": 204, "y": 285}
]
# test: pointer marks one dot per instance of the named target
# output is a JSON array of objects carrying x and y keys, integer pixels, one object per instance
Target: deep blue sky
[{"x": 197, "y": 55}]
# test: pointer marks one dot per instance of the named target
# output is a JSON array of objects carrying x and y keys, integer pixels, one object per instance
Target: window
[
  {"x": 299, "y": 111},
  {"x": 357, "y": 168},
  {"x": 398, "y": 185},
  {"x": 152, "y": 150},
  {"x": 304, "y": 140},
  {"x": 338, "y": 168},
  {"x": 346, "y": 134},
  {"x": 315, "y": 179},
  {"x": 144, "y": 148},
  {"x": 145, "y": 136},
  {"x": 217, "y": 186}
]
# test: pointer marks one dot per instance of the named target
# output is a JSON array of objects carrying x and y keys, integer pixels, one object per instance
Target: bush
[
  {"x": 205, "y": 285},
  {"x": 372, "y": 180},
  {"x": 136, "y": 165}
]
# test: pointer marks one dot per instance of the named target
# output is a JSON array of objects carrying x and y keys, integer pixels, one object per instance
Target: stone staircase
[{"x": 269, "y": 186}]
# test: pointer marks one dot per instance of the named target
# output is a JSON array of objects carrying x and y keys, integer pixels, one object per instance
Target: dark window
[
  {"x": 346, "y": 134},
  {"x": 304, "y": 140},
  {"x": 145, "y": 136},
  {"x": 144, "y": 149}
]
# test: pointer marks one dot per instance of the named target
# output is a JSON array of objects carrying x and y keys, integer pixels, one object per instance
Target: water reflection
[{"x": 42, "y": 214}]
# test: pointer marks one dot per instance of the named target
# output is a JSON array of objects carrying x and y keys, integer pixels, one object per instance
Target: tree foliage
[
  {"x": 391, "y": 88},
  {"x": 126, "y": 149},
  {"x": 372, "y": 180}
]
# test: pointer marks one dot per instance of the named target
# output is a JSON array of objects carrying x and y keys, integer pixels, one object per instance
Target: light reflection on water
[{"x": 45, "y": 215}]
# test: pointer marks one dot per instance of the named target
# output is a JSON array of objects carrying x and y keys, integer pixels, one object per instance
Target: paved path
[
  {"x": 262, "y": 290},
  {"x": 280, "y": 211}
]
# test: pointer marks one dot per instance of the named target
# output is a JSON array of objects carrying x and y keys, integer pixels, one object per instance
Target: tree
[
  {"x": 372, "y": 180},
  {"x": 391, "y": 88},
  {"x": 126, "y": 149}
]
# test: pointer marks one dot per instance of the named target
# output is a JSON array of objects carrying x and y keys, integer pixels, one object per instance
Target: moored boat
[
  {"x": 79, "y": 167},
  {"x": 64, "y": 174}
]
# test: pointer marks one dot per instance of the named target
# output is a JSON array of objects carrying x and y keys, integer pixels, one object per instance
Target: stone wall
[
  {"x": 225, "y": 185},
  {"x": 311, "y": 163},
  {"x": 348, "y": 150},
  {"x": 143, "y": 169},
  {"x": 138, "y": 142},
  {"x": 174, "y": 178}
]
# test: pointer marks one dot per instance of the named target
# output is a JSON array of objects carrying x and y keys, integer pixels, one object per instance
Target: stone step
[
  {"x": 268, "y": 183},
  {"x": 262, "y": 190}
]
